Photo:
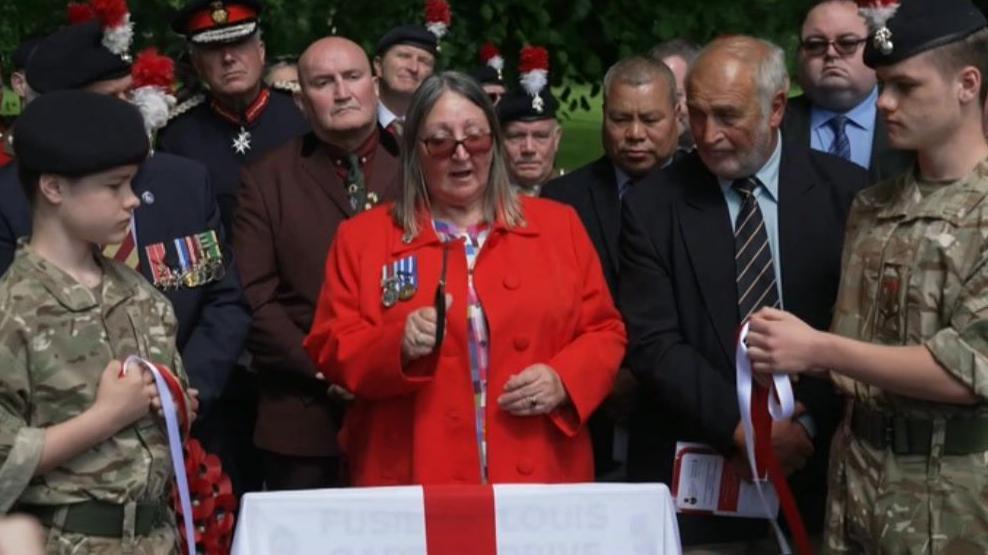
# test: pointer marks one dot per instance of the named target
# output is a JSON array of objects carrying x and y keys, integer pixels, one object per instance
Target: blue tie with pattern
[{"x": 841, "y": 145}]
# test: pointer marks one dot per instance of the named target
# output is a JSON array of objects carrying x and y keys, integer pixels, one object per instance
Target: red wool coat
[{"x": 546, "y": 301}]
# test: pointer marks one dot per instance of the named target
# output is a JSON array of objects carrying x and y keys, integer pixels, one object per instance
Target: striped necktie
[
  {"x": 841, "y": 145},
  {"x": 752, "y": 254},
  {"x": 124, "y": 252}
]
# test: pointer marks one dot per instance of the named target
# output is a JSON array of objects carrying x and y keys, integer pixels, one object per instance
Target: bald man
[
  {"x": 689, "y": 277},
  {"x": 290, "y": 205}
]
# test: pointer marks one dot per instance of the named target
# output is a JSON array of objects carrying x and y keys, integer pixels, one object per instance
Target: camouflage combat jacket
[
  {"x": 914, "y": 272},
  {"x": 56, "y": 337}
]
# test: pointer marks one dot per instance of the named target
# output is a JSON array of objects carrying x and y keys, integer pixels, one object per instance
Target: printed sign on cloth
[{"x": 601, "y": 519}]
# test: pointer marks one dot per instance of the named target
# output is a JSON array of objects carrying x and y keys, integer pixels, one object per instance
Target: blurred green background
[{"x": 581, "y": 134}]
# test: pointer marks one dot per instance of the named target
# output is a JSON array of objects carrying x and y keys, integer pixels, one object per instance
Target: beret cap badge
[{"x": 877, "y": 13}]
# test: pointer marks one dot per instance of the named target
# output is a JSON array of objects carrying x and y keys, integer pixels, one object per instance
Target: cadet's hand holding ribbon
[
  {"x": 170, "y": 400},
  {"x": 758, "y": 407}
]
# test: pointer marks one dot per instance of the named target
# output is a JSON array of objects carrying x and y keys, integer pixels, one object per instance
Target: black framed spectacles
[{"x": 818, "y": 46}]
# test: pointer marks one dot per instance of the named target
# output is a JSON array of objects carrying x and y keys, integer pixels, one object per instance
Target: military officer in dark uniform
[
  {"x": 531, "y": 138},
  {"x": 240, "y": 118},
  {"x": 234, "y": 124},
  {"x": 177, "y": 241}
]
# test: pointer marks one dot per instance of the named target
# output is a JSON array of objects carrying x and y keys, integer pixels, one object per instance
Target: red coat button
[
  {"x": 525, "y": 467},
  {"x": 511, "y": 282},
  {"x": 521, "y": 343}
]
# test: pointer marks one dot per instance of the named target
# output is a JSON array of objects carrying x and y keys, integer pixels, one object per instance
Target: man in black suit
[
  {"x": 178, "y": 211},
  {"x": 640, "y": 134},
  {"x": 679, "y": 288},
  {"x": 837, "y": 112}
]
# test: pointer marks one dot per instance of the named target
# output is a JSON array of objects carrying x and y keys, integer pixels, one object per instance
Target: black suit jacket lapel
[
  {"x": 796, "y": 184},
  {"x": 607, "y": 205},
  {"x": 706, "y": 226},
  {"x": 797, "y": 121}
]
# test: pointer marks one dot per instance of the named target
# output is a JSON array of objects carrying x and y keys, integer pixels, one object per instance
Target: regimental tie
[
  {"x": 124, "y": 252},
  {"x": 356, "y": 189},
  {"x": 396, "y": 127},
  {"x": 841, "y": 145},
  {"x": 752, "y": 254}
]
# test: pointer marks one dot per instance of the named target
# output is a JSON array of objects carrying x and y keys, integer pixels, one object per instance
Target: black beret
[
  {"x": 218, "y": 21},
  {"x": 77, "y": 133},
  {"x": 517, "y": 104},
  {"x": 412, "y": 35},
  {"x": 486, "y": 75},
  {"x": 921, "y": 25},
  {"x": 72, "y": 58},
  {"x": 24, "y": 52}
]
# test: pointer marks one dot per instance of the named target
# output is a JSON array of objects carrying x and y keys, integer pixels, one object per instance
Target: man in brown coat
[{"x": 291, "y": 203}]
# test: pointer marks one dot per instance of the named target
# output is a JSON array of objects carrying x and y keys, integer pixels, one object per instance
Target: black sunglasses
[{"x": 818, "y": 46}]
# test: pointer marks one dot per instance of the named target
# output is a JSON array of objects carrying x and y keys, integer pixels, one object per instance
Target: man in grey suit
[{"x": 837, "y": 113}]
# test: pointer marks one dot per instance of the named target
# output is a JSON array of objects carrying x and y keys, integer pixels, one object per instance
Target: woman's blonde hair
[{"x": 500, "y": 199}]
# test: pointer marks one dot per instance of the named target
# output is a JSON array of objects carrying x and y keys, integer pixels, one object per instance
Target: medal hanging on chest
[{"x": 241, "y": 143}]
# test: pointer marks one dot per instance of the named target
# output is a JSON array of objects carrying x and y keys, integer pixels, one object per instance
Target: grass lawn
[{"x": 581, "y": 135}]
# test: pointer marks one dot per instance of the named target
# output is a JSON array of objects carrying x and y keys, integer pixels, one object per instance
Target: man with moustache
[
  {"x": 240, "y": 118},
  {"x": 640, "y": 135},
  {"x": 742, "y": 221},
  {"x": 291, "y": 203},
  {"x": 405, "y": 56},
  {"x": 836, "y": 112}
]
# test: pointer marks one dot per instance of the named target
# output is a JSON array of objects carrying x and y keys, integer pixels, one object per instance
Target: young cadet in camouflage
[
  {"x": 909, "y": 341},
  {"x": 79, "y": 448}
]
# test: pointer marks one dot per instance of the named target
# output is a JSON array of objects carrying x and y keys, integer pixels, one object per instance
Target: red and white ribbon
[
  {"x": 173, "y": 406},
  {"x": 759, "y": 407}
]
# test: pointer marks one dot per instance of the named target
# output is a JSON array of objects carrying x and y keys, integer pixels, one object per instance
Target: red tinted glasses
[{"x": 444, "y": 147}]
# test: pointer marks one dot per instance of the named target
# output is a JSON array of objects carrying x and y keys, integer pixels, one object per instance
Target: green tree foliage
[{"x": 583, "y": 36}]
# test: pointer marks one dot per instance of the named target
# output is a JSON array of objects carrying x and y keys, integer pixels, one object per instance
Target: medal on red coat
[{"x": 389, "y": 286}]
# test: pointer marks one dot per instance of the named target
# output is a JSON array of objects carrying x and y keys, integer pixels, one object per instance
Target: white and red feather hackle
[
  {"x": 533, "y": 68},
  {"x": 437, "y": 17},
  {"x": 114, "y": 16},
  {"x": 878, "y": 13},
  {"x": 151, "y": 91},
  {"x": 491, "y": 56}
]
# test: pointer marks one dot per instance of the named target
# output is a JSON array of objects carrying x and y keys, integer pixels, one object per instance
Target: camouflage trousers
[
  {"x": 161, "y": 541},
  {"x": 882, "y": 503}
]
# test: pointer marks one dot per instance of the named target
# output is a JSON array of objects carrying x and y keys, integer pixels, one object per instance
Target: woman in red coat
[{"x": 473, "y": 326}]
